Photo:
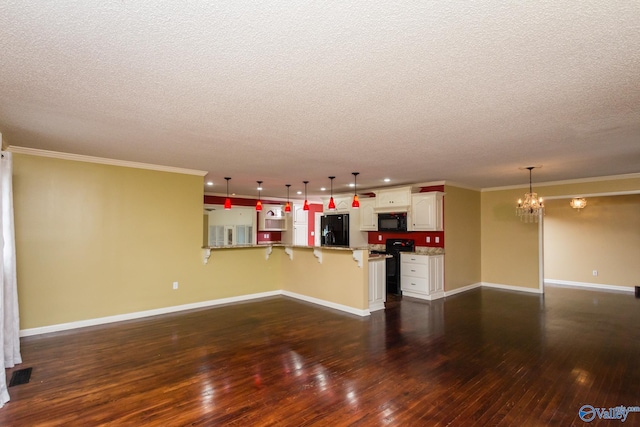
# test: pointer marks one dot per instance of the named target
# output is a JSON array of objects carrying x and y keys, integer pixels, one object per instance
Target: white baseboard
[
  {"x": 325, "y": 303},
  {"x": 598, "y": 286},
  {"x": 463, "y": 289},
  {"x": 511, "y": 288},
  {"x": 140, "y": 314}
]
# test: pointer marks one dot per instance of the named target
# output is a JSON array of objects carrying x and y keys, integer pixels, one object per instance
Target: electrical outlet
[
  {"x": 175, "y": 285},
  {"x": 428, "y": 239},
  {"x": 379, "y": 237},
  {"x": 437, "y": 239},
  {"x": 595, "y": 272}
]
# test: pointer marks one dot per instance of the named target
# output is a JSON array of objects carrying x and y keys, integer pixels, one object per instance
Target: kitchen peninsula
[{"x": 346, "y": 279}]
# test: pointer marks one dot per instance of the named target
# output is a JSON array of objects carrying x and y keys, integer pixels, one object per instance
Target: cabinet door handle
[
  {"x": 413, "y": 271},
  {"x": 413, "y": 284}
]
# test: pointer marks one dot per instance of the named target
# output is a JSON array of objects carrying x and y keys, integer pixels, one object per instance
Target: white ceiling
[{"x": 286, "y": 91}]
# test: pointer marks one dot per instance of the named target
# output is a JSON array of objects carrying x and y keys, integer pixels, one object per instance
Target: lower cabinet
[
  {"x": 377, "y": 284},
  {"x": 422, "y": 276}
]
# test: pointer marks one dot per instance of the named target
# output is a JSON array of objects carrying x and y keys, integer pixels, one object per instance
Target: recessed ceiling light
[
  {"x": 351, "y": 185},
  {"x": 387, "y": 179},
  {"x": 298, "y": 192},
  {"x": 209, "y": 183},
  {"x": 323, "y": 189}
]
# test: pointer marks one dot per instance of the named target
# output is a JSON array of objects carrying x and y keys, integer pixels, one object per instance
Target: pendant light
[
  {"x": 332, "y": 204},
  {"x": 287, "y": 207},
  {"x": 259, "y": 203},
  {"x": 306, "y": 203},
  {"x": 227, "y": 201},
  {"x": 356, "y": 203},
  {"x": 533, "y": 206}
]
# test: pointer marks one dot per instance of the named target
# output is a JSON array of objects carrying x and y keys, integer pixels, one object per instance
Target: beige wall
[
  {"x": 97, "y": 240},
  {"x": 510, "y": 249},
  {"x": 462, "y": 261},
  {"x": 338, "y": 279},
  {"x": 605, "y": 236}
]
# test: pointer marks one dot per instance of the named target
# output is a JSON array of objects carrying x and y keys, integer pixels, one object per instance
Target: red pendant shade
[
  {"x": 332, "y": 204},
  {"x": 259, "y": 203},
  {"x": 287, "y": 207},
  {"x": 227, "y": 201},
  {"x": 306, "y": 203},
  {"x": 356, "y": 203}
]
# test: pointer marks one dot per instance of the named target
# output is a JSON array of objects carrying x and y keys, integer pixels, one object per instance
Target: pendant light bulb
[
  {"x": 306, "y": 203},
  {"x": 287, "y": 207},
  {"x": 227, "y": 201},
  {"x": 356, "y": 203},
  {"x": 332, "y": 203},
  {"x": 259, "y": 203}
]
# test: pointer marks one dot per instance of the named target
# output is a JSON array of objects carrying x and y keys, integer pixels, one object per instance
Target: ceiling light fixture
[
  {"x": 227, "y": 201},
  {"x": 306, "y": 203},
  {"x": 356, "y": 203},
  {"x": 532, "y": 207},
  {"x": 259, "y": 203},
  {"x": 578, "y": 203},
  {"x": 287, "y": 207},
  {"x": 332, "y": 203}
]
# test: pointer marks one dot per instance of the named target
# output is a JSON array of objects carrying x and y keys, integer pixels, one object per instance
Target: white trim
[
  {"x": 463, "y": 186},
  {"x": 142, "y": 314},
  {"x": 103, "y": 161},
  {"x": 568, "y": 181},
  {"x": 462, "y": 289},
  {"x": 600, "y": 286},
  {"x": 511, "y": 288},
  {"x": 613, "y": 193},
  {"x": 541, "y": 254},
  {"x": 325, "y": 303}
]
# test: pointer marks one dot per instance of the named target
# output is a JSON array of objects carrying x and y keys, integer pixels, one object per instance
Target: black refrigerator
[{"x": 335, "y": 230}]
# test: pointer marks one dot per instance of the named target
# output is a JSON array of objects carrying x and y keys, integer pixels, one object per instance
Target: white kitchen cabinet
[
  {"x": 368, "y": 215},
  {"x": 272, "y": 218},
  {"x": 426, "y": 212},
  {"x": 422, "y": 276},
  {"x": 343, "y": 203},
  {"x": 300, "y": 216},
  {"x": 393, "y": 198},
  {"x": 377, "y": 284}
]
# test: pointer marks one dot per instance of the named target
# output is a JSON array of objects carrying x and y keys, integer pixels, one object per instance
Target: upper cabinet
[
  {"x": 368, "y": 215},
  {"x": 272, "y": 218},
  {"x": 343, "y": 204},
  {"x": 395, "y": 198},
  {"x": 426, "y": 212}
]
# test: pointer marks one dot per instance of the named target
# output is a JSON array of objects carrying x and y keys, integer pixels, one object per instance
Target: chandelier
[
  {"x": 578, "y": 203},
  {"x": 532, "y": 207}
]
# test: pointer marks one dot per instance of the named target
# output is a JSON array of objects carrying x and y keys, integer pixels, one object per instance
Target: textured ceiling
[{"x": 286, "y": 91}]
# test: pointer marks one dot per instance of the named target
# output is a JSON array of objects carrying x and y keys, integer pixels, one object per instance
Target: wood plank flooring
[{"x": 484, "y": 357}]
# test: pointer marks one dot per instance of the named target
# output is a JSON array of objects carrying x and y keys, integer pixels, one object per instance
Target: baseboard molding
[
  {"x": 598, "y": 286},
  {"x": 325, "y": 303},
  {"x": 511, "y": 288},
  {"x": 141, "y": 314},
  {"x": 462, "y": 289}
]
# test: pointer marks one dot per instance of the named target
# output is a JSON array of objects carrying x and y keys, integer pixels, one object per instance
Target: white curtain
[{"x": 9, "y": 319}]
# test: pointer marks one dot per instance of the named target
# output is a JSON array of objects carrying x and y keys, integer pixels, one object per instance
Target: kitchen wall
[
  {"x": 605, "y": 236},
  {"x": 462, "y": 261}
]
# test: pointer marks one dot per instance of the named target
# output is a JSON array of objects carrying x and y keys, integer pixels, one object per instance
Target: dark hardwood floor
[{"x": 484, "y": 357}]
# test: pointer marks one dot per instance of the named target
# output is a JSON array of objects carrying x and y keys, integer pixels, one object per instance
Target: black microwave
[{"x": 392, "y": 221}]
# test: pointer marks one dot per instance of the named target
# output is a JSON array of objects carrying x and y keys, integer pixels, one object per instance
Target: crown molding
[
  {"x": 566, "y": 182},
  {"x": 102, "y": 160}
]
